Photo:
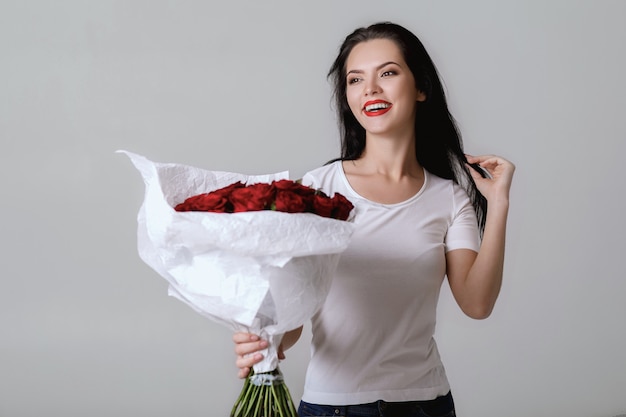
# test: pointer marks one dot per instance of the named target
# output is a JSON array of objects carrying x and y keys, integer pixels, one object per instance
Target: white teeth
[{"x": 377, "y": 106}]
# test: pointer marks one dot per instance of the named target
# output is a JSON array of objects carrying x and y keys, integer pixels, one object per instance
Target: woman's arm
[
  {"x": 248, "y": 345},
  {"x": 475, "y": 278}
]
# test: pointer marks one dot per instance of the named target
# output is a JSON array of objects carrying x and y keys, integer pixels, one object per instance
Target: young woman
[{"x": 422, "y": 216}]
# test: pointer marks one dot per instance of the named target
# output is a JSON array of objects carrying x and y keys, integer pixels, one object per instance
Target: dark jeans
[{"x": 439, "y": 407}]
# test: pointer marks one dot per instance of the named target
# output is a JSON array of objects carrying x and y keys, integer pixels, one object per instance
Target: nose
[{"x": 371, "y": 86}]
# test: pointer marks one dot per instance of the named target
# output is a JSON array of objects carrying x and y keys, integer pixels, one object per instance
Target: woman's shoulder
[
  {"x": 447, "y": 188},
  {"x": 439, "y": 182},
  {"x": 321, "y": 174}
]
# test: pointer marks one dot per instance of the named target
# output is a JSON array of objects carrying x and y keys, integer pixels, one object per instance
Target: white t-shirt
[{"x": 373, "y": 337}]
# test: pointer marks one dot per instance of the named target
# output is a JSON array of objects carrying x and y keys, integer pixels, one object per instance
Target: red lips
[{"x": 374, "y": 108}]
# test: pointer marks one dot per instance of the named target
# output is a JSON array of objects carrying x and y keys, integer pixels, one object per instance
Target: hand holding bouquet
[{"x": 264, "y": 268}]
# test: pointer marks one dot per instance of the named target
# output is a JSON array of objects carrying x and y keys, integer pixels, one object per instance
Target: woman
[{"x": 421, "y": 216}]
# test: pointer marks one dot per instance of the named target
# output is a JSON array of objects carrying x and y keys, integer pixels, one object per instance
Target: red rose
[
  {"x": 215, "y": 201},
  {"x": 253, "y": 197},
  {"x": 204, "y": 202},
  {"x": 293, "y": 186},
  {"x": 225, "y": 191},
  {"x": 342, "y": 207},
  {"x": 290, "y": 202},
  {"x": 322, "y": 205}
]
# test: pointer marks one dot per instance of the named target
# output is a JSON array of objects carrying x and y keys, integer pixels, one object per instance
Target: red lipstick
[{"x": 376, "y": 108}]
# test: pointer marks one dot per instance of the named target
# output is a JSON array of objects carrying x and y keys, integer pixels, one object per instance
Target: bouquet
[
  {"x": 265, "y": 267},
  {"x": 283, "y": 195}
]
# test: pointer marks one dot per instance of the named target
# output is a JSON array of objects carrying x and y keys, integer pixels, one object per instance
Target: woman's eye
[
  {"x": 353, "y": 80},
  {"x": 387, "y": 73}
]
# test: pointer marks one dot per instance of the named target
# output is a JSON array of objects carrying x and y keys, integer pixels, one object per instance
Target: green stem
[
  {"x": 253, "y": 400},
  {"x": 292, "y": 407},
  {"x": 257, "y": 403},
  {"x": 243, "y": 395},
  {"x": 273, "y": 400}
]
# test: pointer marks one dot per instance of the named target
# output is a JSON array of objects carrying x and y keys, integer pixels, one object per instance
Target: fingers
[
  {"x": 243, "y": 362},
  {"x": 246, "y": 343},
  {"x": 241, "y": 337},
  {"x": 477, "y": 171},
  {"x": 484, "y": 161},
  {"x": 493, "y": 164},
  {"x": 488, "y": 160},
  {"x": 472, "y": 159},
  {"x": 243, "y": 373},
  {"x": 496, "y": 185},
  {"x": 247, "y": 347}
]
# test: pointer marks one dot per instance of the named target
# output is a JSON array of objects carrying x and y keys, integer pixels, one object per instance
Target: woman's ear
[{"x": 421, "y": 96}]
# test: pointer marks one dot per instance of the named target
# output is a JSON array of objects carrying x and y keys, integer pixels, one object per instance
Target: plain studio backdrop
[{"x": 87, "y": 329}]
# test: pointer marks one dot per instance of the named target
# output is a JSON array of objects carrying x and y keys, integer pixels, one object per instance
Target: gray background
[{"x": 86, "y": 329}]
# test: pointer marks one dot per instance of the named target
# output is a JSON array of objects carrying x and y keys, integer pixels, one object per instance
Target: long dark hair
[{"x": 438, "y": 144}]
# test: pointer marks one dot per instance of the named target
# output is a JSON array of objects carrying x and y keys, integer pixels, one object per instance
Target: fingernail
[{"x": 263, "y": 343}]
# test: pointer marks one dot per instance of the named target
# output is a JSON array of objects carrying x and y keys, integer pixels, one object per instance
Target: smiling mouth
[{"x": 376, "y": 108}]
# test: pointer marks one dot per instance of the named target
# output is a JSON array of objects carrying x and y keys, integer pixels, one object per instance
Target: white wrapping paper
[{"x": 265, "y": 272}]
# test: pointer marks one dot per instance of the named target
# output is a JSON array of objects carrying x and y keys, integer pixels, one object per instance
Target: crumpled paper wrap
[{"x": 265, "y": 272}]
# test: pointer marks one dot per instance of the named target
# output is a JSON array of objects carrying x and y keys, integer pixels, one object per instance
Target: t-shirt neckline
[{"x": 342, "y": 173}]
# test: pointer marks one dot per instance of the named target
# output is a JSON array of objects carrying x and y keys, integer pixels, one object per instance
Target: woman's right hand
[{"x": 247, "y": 349}]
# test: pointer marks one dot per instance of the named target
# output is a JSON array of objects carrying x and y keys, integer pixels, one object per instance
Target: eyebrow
[{"x": 357, "y": 71}]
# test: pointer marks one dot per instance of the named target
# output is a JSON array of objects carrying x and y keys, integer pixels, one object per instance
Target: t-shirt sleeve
[
  {"x": 463, "y": 231},
  {"x": 309, "y": 180},
  {"x": 320, "y": 178}
]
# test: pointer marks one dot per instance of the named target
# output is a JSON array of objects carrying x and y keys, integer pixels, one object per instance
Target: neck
[{"x": 393, "y": 157}]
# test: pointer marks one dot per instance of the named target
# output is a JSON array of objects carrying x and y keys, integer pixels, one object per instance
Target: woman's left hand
[{"x": 501, "y": 172}]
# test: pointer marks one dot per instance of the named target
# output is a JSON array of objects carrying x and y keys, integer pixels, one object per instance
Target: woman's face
[{"x": 380, "y": 88}]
